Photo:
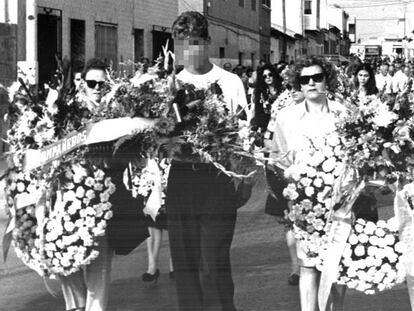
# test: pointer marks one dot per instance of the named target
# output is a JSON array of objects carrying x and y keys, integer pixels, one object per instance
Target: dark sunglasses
[
  {"x": 92, "y": 83},
  {"x": 267, "y": 76},
  {"x": 318, "y": 77}
]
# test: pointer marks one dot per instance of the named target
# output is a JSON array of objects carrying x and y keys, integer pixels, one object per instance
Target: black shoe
[
  {"x": 172, "y": 275},
  {"x": 148, "y": 277},
  {"x": 293, "y": 279}
]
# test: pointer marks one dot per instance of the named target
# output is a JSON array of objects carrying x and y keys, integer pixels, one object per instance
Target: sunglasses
[
  {"x": 267, "y": 76},
  {"x": 92, "y": 83},
  {"x": 318, "y": 77}
]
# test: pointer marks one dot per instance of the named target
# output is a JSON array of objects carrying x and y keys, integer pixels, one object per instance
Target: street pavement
[{"x": 260, "y": 264}]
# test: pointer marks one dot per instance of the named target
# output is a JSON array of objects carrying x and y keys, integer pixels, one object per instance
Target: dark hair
[
  {"x": 328, "y": 70},
  {"x": 261, "y": 90},
  {"x": 94, "y": 63},
  {"x": 191, "y": 24},
  {"x": 370, "y": 87}
]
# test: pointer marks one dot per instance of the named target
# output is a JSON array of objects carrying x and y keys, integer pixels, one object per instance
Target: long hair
[
  {"x": 370, "y": 86},
  {"x": 261, "y": 86},
  {"x": 261, "y": 119}
]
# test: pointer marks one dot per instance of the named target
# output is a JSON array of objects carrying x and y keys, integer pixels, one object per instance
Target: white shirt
[
  {"x": 231, "y": 85},
  {"x": 295, "y": 125},
  {"x": 400, "y": 80},
  {"x": 384, "y": 81}
]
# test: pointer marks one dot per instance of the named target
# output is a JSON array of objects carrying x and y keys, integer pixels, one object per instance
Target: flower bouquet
[
  {"x": 81, "y": 211},
  {"x": 311, "y": 181},
  {"x": 208, "y": 132},
  {"x": 373, "y": 257},
  {"x": 379, "y": 139}
]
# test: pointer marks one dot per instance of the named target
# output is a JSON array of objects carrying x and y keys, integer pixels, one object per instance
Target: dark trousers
[{"x": 201, "y": 220}]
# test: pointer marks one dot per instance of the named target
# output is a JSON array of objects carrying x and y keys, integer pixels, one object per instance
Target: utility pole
[{"x": 31, "y": 65}]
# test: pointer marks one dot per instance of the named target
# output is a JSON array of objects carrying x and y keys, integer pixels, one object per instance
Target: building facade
[
  {"x": 307, "y": 27},
  {"x": 240, "y": 29},
  {"x": 117, "y": 31}
]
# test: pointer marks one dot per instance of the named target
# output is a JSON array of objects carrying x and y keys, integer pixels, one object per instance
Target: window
[
  {"x": 308, "y": 6},
  {"x": 138, "y": 44},
  {"x": 222, "y": 52},
  {"x": 77, "y": 43},
  {"x": 254, "y": 4},
  {"x": 241, "y": 3},
  {"x": 241, "y": 56},
  {"x": 106, "y": 43}
]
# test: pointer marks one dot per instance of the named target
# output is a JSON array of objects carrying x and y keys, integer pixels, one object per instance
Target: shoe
[
  {"x": 293, "y": 279},
  {"x": 148, "y": 277},
  {"x": 172, "y": 275}
]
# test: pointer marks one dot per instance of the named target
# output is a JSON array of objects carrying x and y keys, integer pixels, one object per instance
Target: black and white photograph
[{"x": 206, "y": 155}]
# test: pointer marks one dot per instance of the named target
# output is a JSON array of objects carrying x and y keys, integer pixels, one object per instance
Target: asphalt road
[{"x": 260, "y": 269}]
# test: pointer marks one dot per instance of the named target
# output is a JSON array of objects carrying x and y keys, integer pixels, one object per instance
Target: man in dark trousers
[{"x": 201, "y": 201}]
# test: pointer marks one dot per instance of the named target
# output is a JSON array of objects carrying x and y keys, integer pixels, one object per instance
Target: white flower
[
  {"x": 108, "y": 215},
  {"x": 363, "y": 238},
  {"x": 399, "y": 247},
  {"x": 380, "y": 232},
  {"x": 310, "y": 172},
  {"x": 318, "y": 182},
  {"x": 20, "y": 187},
  {"x": 329, "y": 165},
  {"x": 104, "y": 196},
  {"x": 359, "y": 228},
  {"x": 74, "y": 207},
  {"x": 99, "y": 175},
  {"x": 353, "y": 239},
  {"x": 328, "y": 179},
  {"x": 306, "y": 181},
  {"x": 316, "y": 159},
  {"x": 289, "y": 192},
  {"x": 374, "y": 240},
  {"x": 98, "y": 187},
  {"x": 309, "y": 191},
  {"x": 389, "y": 239},
  {"x": 80, "y": 192},
  {"x": 90, "y": 194},
  {"x": 369, "y": 228},
  {"x": 69, "y": 196},
  {"x": 69, "y": 226},
  {"x": 333, "y": 139},
  {"x": 89, "y": 181}
]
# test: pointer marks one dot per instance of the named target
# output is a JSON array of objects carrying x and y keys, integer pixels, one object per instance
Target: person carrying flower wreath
[
  {"x": 88, "y": 288},
  {"x": 312, "y": 118},
  {"x": 201, "y": 200}
]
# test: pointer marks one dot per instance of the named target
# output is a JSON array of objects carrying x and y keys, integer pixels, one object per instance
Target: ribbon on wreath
[
  {"x": 102, "y": 131},
  {"x": 348, "y": 191},
  {"x": 405, "y": 216}
]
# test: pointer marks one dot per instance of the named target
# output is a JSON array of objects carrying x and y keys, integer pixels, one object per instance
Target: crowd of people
[{"x": 200, "y": 211}]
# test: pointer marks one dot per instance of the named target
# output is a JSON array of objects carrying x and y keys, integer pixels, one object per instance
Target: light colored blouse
[{"x": 295, "y": 125}]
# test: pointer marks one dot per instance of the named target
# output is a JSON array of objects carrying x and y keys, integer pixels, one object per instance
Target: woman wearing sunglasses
[
  {"x": 268, "y": 88},
  {"x": 313, "y": 117},
  {"x": 87, "y": 289}
]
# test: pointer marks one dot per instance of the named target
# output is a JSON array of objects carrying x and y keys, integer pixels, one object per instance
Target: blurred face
[
  {"x": 191, "y": 51},
  {"x": 384, "y": 70},
  {"x": 267, "y": 77},
  {"x": 391, "y": 70},
  {"x": 77, "y": 79},
  {"x": 407, "y": 71},
  {"x": 312, "y": 81},
  {"x": 94, "y": 80},
  {"x": 227, "y": 66},
  {"x": 363, "y": 77}
]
